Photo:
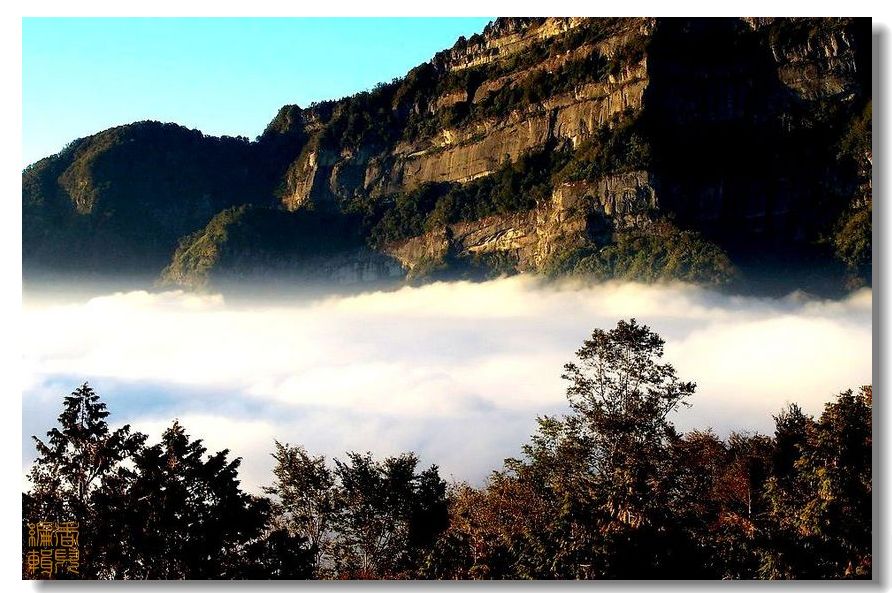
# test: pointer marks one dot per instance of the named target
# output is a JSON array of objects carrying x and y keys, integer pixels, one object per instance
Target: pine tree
[
  {"x": 181, "y": 514},
  {"x": 71, "y": 465}
]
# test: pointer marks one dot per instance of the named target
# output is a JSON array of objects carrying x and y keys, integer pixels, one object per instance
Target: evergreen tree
[
  {"x": 72, "y": 463},
  {"x": 181, "y": 515}
]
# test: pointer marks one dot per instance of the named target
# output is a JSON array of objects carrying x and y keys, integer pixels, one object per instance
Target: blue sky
[{"x": 222, "y": 76}]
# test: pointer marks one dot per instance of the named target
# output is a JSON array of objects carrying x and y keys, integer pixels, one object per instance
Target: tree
[
  {"x": 388, "y": 515},
  {"x": 72, "y": 463},
  {"x": 621, "y": 396},
  {"x": 501, "y": 531},
  {"x": 838, "y": 467},
  {"x": 277, "y": 555},
  {"x": 819, "y": 506},
  {"x": 177, "y": 514},
  {"x": 699, "y": 505},
  {"x": 364, "y": 518},
  {"x": 305, "y": 500},
  {"x": 75, "y": 458},
  {"x": 593, "y": 494}
]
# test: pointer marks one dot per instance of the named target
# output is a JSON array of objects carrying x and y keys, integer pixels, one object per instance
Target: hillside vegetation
[{"x": 751, "y": 137}]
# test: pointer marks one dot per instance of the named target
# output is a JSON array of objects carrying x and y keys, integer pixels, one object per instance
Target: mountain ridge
[{"x": 538, "y": 142}]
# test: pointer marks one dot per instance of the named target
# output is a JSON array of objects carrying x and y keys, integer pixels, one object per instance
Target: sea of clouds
[{"x": 456, "y": 372}]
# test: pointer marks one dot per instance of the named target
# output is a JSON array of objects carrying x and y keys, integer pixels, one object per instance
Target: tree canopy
[{"x": 608, "y": 490}]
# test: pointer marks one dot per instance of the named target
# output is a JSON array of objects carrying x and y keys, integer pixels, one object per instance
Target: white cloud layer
[{"x": 456, "y": 372}]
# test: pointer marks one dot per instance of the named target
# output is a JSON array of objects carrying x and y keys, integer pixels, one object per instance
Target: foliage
[
  {"x": 609, "y": 490},
  {"x": 167, "y": 513},
  {"x": 388, "y": 515},
  {"x": 660, "y": 252},
  {"x": 819, "y": 498},
  {"x": 857, "y": 140},
  {"x": 177, "y": 514},
  {"x": 304, "y": 499},
  {"x": 612, "y": 491},
  {"x": 365, "y": 119},
  {"x": 73, "y": 463},
  {"x": 74, "y": 459},
  {"x": 853, "y": 241},
  {"x": 404, "y": 215},
  {"x": 363, "y": 518},
  {"x": 515, "y": 186},
  {"x": 852, "y": 236},
  {"x": 246, "y": 240},
  {"x": 539, "y": 84},
  {"x": 619, "y": 146},
  {"x": 591, "y": 497},
  {"x": 621, "y": 395},
  {"x": 121, "y": 198}
]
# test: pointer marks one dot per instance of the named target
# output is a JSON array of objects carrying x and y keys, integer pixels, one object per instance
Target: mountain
[
  {"x": 712, "y": 150},
  {"x": 250, "y": 243}
]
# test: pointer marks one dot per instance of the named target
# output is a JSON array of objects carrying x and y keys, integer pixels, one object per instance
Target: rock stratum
[{"x": 709, "y": 150}]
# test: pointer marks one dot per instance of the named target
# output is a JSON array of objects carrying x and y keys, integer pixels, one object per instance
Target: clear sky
[{"x": 220, "y": 75}]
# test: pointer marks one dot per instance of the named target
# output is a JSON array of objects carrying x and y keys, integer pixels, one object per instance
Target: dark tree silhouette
[
  {"x": 610, "y": 490},
  {"x": 182, "y": 515},
  {"x": 363, "y": 518},
  {"x": 304, "y": 500},
  {"x": 621, "y": 396},
  {"x": 72, "y": 463},
  {"x": 388, "y": 514}
]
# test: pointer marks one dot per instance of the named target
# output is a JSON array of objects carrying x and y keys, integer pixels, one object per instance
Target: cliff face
[
  {"x": 460, "y": 149},
  {"x": 746, "y": 136},
  {"x": 535, "y": 139},
  {"x": 569, "y": 220}
]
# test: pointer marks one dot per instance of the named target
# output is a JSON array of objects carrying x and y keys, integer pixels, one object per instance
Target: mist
[{"x": 457, "y": 372}]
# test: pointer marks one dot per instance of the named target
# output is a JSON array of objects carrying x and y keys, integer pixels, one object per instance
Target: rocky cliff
[{"x": 538, "y": 142}]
